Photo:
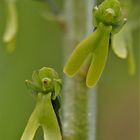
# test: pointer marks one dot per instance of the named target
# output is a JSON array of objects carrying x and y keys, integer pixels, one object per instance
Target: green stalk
[{"x": 77, "y": 98}]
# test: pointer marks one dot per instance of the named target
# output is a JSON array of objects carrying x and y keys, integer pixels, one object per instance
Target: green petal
[
  {"x": 33, "y": 87},
  {"x": 83, "y": 50},
  {"x": 36, "y": 79},
  {"x": 11, "y": 27},
  {"x": 57, "y": 90},
  {"x": 79, "y": 55},
  {"x": 31, "y": 127},
  {"x": 98, "y": 62},
  {"x": 47, "y": 72},
  {"x": 48, "y": 120},
  {"x": 119, "y": 45}
]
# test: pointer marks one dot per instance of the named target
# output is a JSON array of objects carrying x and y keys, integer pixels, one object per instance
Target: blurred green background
[{"x": 39, "y": 43}]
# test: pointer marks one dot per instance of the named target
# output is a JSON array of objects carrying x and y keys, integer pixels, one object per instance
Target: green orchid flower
[
  {"x": 107, "y": 20},
  {"x": 46, "y": 87}
]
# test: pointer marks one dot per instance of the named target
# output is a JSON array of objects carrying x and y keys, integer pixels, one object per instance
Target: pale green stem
[
  {"x": 43, "y": 115},
  {"x": 78, "y": 100},
  {"x": 11, "y": 25}
]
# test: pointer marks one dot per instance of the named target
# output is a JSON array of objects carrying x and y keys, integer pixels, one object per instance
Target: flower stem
[{"x": 77, "y": 100}]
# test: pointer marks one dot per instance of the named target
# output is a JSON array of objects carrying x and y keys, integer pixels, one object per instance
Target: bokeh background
[{"x": 39, "y": 43}]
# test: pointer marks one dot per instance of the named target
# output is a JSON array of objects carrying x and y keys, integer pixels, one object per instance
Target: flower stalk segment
[{"x": 47, "y": 106}]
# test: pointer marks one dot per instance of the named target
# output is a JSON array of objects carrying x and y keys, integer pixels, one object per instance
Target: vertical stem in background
[
  {"x": 79, "y": 103},
  {"x": 92, "y": 98}
]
